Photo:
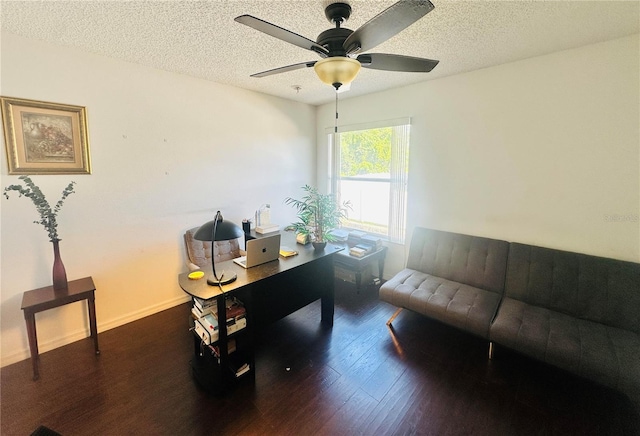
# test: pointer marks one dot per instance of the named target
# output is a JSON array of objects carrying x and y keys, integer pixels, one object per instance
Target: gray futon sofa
[
  {"x": 453, "y": 278},
  {"x": 578, "y": 312}
]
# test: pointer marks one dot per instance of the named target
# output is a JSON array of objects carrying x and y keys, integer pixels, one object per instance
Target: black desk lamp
[{"x": 218, "y": 230}]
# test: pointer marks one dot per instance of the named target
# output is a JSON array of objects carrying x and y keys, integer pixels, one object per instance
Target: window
[{"x": 369, "y": 168}]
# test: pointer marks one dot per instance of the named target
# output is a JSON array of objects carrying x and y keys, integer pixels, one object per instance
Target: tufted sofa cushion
[
  {"x": 588, "y": 287},
  {"x": 605, "y": 354},
  {"x": 577, "y": 312},
  {"x": 457, "y": 279},
  {"x": 476, "y": 261},
  {"x": 462, "y": 306},
  {"x": 199, "y": 252}
]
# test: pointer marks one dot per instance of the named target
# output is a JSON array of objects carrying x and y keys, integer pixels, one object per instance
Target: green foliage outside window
[{"x": 365, "y": 152}]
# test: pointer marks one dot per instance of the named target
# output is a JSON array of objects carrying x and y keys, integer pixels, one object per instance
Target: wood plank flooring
[{"x": 357, "y": 378}]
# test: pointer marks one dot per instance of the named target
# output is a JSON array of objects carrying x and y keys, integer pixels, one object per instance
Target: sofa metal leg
[
  {"x": 490, "y": 350},
  {"x": 396, "y": 313}
]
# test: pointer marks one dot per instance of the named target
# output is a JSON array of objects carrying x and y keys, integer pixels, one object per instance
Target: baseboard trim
[{"x": 80, "y": 334}]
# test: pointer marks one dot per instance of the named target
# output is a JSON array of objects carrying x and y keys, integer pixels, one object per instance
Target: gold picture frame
[{"x": 45, "y": 138}]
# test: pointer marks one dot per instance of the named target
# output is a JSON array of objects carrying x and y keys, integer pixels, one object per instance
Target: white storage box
[{"x": 206, "y": 328}]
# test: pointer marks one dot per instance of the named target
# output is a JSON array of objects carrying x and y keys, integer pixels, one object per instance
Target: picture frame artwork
[{"x": 45, "y": 138}]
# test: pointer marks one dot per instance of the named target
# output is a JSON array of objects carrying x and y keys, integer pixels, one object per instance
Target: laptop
[{"x": 260, "y": 250}]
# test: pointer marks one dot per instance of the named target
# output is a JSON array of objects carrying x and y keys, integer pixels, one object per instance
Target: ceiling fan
[{"x": 340, "y": 47}]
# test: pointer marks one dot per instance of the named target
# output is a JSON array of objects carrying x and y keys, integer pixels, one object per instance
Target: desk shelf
[{"x": 219, "y": 362}]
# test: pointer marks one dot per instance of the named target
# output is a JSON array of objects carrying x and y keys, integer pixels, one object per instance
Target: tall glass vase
[{"x": 59, "y": 273}]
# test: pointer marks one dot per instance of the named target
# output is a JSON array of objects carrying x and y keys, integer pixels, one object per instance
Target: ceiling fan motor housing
[{"x": 333, "y": 40}]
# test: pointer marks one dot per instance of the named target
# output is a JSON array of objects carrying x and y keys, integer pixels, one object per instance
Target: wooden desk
[
  {"x": 46, "y": 298},
  {"x": 270, "y": 292},
  {"x": 289, "y": 284}
]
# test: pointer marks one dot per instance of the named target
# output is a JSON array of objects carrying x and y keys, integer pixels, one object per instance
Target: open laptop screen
[{"x": 260, "y": 250}]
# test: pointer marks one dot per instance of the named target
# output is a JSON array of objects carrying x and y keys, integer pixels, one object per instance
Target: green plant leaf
[
  {"x": 48, "y": 216},
  {"x": 318, "y": 214}
]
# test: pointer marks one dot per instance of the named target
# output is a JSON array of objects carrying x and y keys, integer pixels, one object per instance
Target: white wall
[
  {"x": 543, "y": 151},
  {"x": 167, "y": 151}
]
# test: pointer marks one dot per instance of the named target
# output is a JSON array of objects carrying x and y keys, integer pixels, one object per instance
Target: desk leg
[
  {"x": 327, "y": 308},
  {"x": 91, "y": 303},
  {"x": 30, "y": 319},
  {"x": 327, "y": 302}
]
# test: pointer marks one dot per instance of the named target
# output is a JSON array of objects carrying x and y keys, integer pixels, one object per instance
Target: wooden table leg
[
  {"x": 30, "y": 319},
  {"x": 358, "y": 280},
  {"x": 380, "y": 268},
  {"x": 91, "y": 303}
]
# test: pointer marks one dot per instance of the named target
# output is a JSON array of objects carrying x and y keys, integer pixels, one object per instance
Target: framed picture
[{"x": 45, "y": 138}]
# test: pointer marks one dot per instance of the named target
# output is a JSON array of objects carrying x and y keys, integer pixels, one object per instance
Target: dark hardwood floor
[{"x": 357, "y": 378}]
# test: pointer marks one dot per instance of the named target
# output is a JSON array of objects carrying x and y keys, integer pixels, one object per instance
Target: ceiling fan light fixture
[{"x": 337, "y": 70}]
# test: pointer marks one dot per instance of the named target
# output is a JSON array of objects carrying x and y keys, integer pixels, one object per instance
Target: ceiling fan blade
[
  {"x": 285, "y": 69},
  {"x": 392, "y": 62},
  {"x": 386, "y": 24},
  {"x": 282, "y": 34}
]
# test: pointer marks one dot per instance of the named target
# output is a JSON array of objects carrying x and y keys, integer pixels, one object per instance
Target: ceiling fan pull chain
[{"x": 336, "y": 127}]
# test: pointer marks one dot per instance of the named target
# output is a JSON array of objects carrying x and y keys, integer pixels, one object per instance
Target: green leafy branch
[
  {"x": 318, "y": 214},
  {"x": 47, "y": 215}
]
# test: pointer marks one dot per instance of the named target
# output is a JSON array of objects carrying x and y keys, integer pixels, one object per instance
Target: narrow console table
[{"x": 46, "y": 298}]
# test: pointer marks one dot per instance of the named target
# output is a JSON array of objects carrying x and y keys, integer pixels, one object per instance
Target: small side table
[
  {"x": 46, "y": 298},
  {"x": 358, "y": 264}
]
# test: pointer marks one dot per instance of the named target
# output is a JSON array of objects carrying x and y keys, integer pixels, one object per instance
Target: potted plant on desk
[{"x": 318, "y": 215}]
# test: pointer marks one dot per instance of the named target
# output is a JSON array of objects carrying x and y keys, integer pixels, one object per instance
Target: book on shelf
[
  {"x": 361, "y": 250},
  {"x": 235, "y": 313},
  {"x": 238, "y": 364},
  {"x": 236, "y": 324},
  {"x": 366, "y": 247},
  {"x": 355, "y": 236},
  {"x": 234, "y": 309},
  {"x": 357, "y": 252},
  {"x": 267, "y": 228},
  {"x": 340, "y": 235},
  {"x": 373, "y": 241},
  {"x": 242, "y": 369},
  {"x": 197, "y": 313},
  {"x": 231, "y": 347},
  {"x": 212, "y": 305},
  {"x": 204, "y": 304}
]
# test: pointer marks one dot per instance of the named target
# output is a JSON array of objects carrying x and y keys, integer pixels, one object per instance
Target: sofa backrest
[
  {"x": 588, "y": 287},
  {"x": 472, "y": 260}
]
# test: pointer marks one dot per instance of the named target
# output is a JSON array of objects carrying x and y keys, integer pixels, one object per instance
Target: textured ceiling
[{"x": 201, "y": 39}]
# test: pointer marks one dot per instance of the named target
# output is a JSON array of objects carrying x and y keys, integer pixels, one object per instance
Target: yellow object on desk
[
  {"x": 287, "y": 252},
  {"x": 196, "y": 275}
]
